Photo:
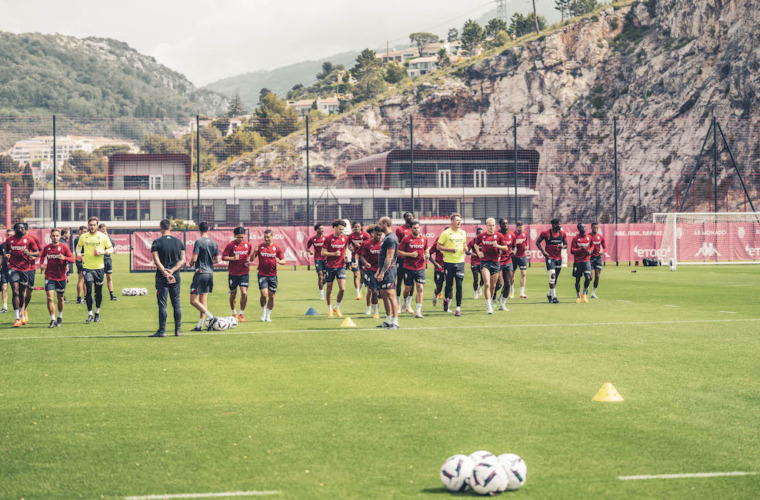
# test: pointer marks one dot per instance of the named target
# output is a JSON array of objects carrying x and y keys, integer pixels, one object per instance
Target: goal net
[{"x": 708, "y": 238}]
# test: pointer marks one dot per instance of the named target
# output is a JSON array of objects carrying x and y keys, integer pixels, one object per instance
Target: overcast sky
[{"x": 211, "y": 39}]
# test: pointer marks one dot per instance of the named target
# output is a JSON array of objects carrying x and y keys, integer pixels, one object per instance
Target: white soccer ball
[
  {"x": 143, "y": 291},
  {"x": 456, "y": 472},
  {"x": 483, "y": 456},
  {"x": 672, "y": 268},
  {"x": 488, "y": 478},
  {"x": 516, "y": 468},
  {"x": 232, "y": 321},
  {"x": 221, "y": 324}
]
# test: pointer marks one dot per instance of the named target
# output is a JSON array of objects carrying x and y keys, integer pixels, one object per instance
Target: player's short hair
[
  {"x": 268, "y": 231},
  {"x": 54, "y": 230},
  {"x": 415, "y": 222},
  {"x": 408, "y": 215},
  {"x": 26, "y": 226},
  {"x": 19, "y": 226},
  {"x": 238, "y": 230},
  {"x": 455, "y": 215},
  {"x": 9, "y": 230},
  {"x": 594, "y": 224},
  {"x": 82, "y": 228},
  {"x": 356, "y": 222},
  {"x": 503, "y": 219},
  {"x": 478, "y": 230},
  {"x": 581, "y": 226},
  {"x": 338, "y": 222},
  {"x": 165, "y": 224},
  {"x": 101, "y": 225},
  {"x": 491, "y": 219},
  {"x": 376, "y": 229},
  {"x": 519, "y": 223},
  {"x": 203, "y": 227},
  {"x": 554, "y": 222},
  {"x": 65, "y": 231},
  {"x": 317, "y": 226},
  {"x": 93, "y": 218}
]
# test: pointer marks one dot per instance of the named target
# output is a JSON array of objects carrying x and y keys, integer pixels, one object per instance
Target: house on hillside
[{"x": 421, "y": 66}]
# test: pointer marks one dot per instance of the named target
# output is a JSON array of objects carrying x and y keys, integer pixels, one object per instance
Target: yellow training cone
[
  {"x": 347, "y": 322},
  {"x": 607, "y": 394}
]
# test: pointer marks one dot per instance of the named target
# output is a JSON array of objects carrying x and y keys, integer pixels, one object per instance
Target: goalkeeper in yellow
[{"x": 91, "y": 249}]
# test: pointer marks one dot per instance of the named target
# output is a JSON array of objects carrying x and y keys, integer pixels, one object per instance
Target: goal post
[{"x": 708, "y": 237}]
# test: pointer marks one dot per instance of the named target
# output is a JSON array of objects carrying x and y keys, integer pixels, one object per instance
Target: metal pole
[
  {"x": 694, "y": 173},
  {"x": 715, "y": 166},
  {"x": 308, "y": 174},
  {"x": 198, "y": 163},
  {"x": 411, "y": 158},
  {"x": 55, "y": 197},
  {"x": 736, "y": 167},
  {"x": 614, "y": 163},
  {"x": 514, "y": 165}
]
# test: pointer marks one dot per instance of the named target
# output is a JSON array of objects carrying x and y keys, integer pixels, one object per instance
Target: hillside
[
  {"x": 92, "y": 77},
  {"x": 278, "y": 80}
]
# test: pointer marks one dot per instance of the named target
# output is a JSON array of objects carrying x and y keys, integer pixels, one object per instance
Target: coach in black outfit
[{"x": 169, "y": 256}]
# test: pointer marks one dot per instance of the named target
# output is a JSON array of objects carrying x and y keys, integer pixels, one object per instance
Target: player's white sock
[
  {"x": 585, "y": 291},
  {"x": 502, "y": 301},
  {"x": 321, "y": 295},
  {"x": 52, "y": 317},
  {"x": 395, "y": 321},
  {"x": 553, "y": 292},
  {"x": 419, "y": 307},
  {"x": 234, "y": 312},
  {"x": 60, "y": 314},
  {"x": 369, "y": 310},
  {"x": 374, "y": 309},
  {"x": 358, "y": 292},
  {"x": 337, "y": 306},
  {"x": 17, "y": 312},
  {"x": 269, "y": 314},
  {"x": 89, "y": 313},
  {"x": 97, "y": 310},
  {"x": 200, "y": 323},
  {"x": 389, "y": 319},
  {"x": 522, "y": 290},
  {"x": 458, "y": 310},
  {"x": 242, "y": 312},
  {"x": 5, "y": 305}
]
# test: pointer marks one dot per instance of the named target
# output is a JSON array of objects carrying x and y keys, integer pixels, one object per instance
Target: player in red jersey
[
  {"x": 269, "y": 256},
  {"x": 30, "y": 289},
  {"x": 401, "y": 233},
  {"x": 238, "y": 254},
  {"x": 506, "y": 272},
  {"x": 581, "y": 250},
  {"x": 477, "y": 279},
  {"x": 335, "y": 251},
  {"x": 439, "y": 274},
  {"x": 414, "y": 250},
  {"x": 489, "y": 245},
  {"x": 598, "y": 246},
  {"x": 556, "y": 240},
  {"x": 355, "y": 239},
  {"x": 58, "y": 256},
  {"x": 520, "y": 257},
  {"x": 21, "y": 253},
  {"x": 317, "y": 242},
  {"x": 367, "y": 255}
]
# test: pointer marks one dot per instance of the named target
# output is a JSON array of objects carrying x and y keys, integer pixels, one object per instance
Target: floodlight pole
[
  {"x": 198, "y": 162},
  {"x": 55, "y": 197},
  {"x": 411, "y": 158},
  {"x": 715, "y": 164},
  {"x": 514, "y": 164},
  {"x": 736, "y": 167},
  {"x": 308, "y": 180},
  {"x": 696, "y": 168}
]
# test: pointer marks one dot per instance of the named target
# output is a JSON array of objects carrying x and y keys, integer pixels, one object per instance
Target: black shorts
[
  {"x": 236, "y": 281},
  {"x": 369, "y": 280},
  {"x": 491, "y": 266},
  {"x": 269, "y": 282},
  {"x": 475, "y": 269},
  {"x": 202, "y": 284},
  {"x": 108, "y": 266},
  {"x": 389, "y": 280},
  {"x": 438, "y": 278},
  {"x": 521, "y": 262},
  {"x": 5, "y": 276},
  {"x": 354, "y": 264},
  {"x": 23, "y": 278},
  {"x": 596, "y": 262},
  {"x": 412, "y": 276},
  {"x": 455, "y": 268},
  {"x": 506, "y": 266},
  {"x": 94, "y": 276},
  {"x": 80, "y": 268},
  {"x": 55, "y": 286},
  {"x": 334, "y": 273},
  {"x": 581, "y": 268},
  {"x": 552, "y": 264},
  {"x": 320, "y": 265}
]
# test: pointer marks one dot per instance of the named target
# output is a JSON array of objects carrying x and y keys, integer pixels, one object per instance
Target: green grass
[{"x": 315, "y": 411}]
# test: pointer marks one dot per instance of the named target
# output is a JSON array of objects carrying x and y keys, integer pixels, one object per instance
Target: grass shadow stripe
[
  {"x": 205, "y": 495},
  {"x": 686, "y": 476}
]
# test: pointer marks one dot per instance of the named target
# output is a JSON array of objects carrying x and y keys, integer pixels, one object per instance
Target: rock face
[{"x": 664, "y": 68}]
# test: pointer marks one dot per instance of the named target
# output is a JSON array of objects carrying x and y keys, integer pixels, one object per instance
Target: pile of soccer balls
[
  {"x": 484, "y": 473},
  {"x": 134, "y": 292},
  {"x": 221, "y": 324}
]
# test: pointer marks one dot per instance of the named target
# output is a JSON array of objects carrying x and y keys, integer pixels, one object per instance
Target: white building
[
  {"x": 41, "y": 147},
  {"x": 421, "y": 66}
]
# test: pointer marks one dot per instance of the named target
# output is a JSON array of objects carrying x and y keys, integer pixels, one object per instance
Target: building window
[
  {"x": 131, "y": 210},
  {"x": 66, "y": 210},
  {"x": 156, "y": 182},
  {"x": 479, "y": 178},
  {"x": 444, "y": 178},
  {"x": 136, "y": 182},
  {"x": 118, "y": 210}
]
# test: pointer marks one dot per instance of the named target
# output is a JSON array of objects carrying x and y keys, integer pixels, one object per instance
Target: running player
[
  {"x": 414, "y": 250},
  {"x": 385, "y": 275},
  {"x": 507, "y": 275},
  {"x": 58, "y": 256},
  {"x": 80, "y": 269},
  {"x": 107, "y": 262},
  {"x": 66, "y": 240},
  {"x": 238, "y": 254},
  {"x": 520, "y": 257},
  {"x": 477, "y": 279},
  {"x": 580, "y": 247},
  {"x": 335, "y": 251},
  {"x": 21, "y": 252},
  {"x": 205, "y": 255},
  {"x": 90, "y": 250},
  {"x": 317, "y": 242},
  {"x": 453, "y": 242},
  {"x": 269, "y": 256},
  {"x": 597, "y": 255},
  {"x": 355, "y": 239},
  {"x": 439, "y": 275},
  {"x": 401, "y": 233},
  {"x": 489, "y": 245},
  {"x": 32, "y": 272},
  {"x": 556, "y": 240},
  {"x": 368, "y": 254},
  {"x": 4, "y": 271}
]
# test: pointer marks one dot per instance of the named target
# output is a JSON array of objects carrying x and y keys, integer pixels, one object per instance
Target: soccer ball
[
  {"x": 456, "y": 472},
  {"x": 672, "y": 268},
  {"x": 483, "y": 456},
  {"x": 221, "y": 324},
  {"x": 516, "y": 469},
  {"x": 232, "y": 321},
  {"x": 489, "y": 478}
]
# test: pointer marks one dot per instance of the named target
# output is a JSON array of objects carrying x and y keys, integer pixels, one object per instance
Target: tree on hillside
[
  {"x": 274, "y": 118},
  {"x": 563, "y": 7},
  {"x": 394, "y": 72},
  {"x": 453, "y": 35},
  {"x": 443, "y": 60},
  {"x": 580, "y": 7},
  {"x": 494, "y": 26},
  {"x": 472, "y": 35},
  {"x": 236, "y": 107},
  {"x": 421, "y": 39},
  {"x": 535, "y": 17},
  {"x": 327, "y": 68},
  {"x": 520, "y": 25}
]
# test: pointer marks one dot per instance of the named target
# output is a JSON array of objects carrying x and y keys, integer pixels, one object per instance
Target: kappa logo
[
  {"x": 289, "y": 255},
  {"x": 651, "y": 252},
  {"x": 707, "y": 250}
]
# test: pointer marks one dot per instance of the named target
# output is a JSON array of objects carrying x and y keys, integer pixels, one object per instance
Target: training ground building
[{"x": 142, "y": 189}]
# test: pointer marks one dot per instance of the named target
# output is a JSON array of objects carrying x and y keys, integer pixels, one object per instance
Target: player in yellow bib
[
  {"x": 452, "y": 243},
  {"x": 91, "y": 249}
]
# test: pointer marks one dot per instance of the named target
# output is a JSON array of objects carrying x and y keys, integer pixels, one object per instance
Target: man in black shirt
[
  {"x": 386, "y": 274},
  {"x": 80, "y": 268},
  {"x": 169, "y": 257},
  {"x": 205, "y": 255},
  {"x": 107, "y": 262}
]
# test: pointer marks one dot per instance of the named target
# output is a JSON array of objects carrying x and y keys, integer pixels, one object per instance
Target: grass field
[{"x": 313, "y": 411}]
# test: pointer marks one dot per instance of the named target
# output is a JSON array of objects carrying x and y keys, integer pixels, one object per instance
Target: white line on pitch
[
  {"x": 626, "y": 301},
  {"x": 671, "y": 305},
  {"x": 685, "y": 476},
  {"x": 206, "y": 495},
  {"x": 728, "y": 312},
  {"x": 382, "y": 330}
]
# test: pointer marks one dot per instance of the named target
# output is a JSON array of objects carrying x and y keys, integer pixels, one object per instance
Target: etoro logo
[
  {"x": 651, "y": 252},
  {"x": 707, "y": 250},
  {"x": 753, "y": 252}
]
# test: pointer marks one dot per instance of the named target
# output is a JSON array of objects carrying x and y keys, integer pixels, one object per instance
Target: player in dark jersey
[
  {"x": 520, "y": 256},
  {"x": 4, "y": 271},
  {"x": 66, "y": 240},
  {"x": 21, "y": 253},
  {"x": 355, "y": 239},
  {"x": 335, "y": 251},
  {"x": 477, "y": 279},
  {"x": 414, "y": 250},
  {"x": 238, "y": 254},
  {"x": 32, "y": 273},
  {"x": 598, "y": 246},
  {"x": 205, "y": 255},
  {"x": 169, "y": 257},
  {"x": 54, "y": 261},
  {"x": 368, "y": 254},
  {"x": 108, "y": 262},
  {"x": 385, "y": 274},
  {"x": 269, "y": 256},
  {"x": 439, "y": 274},
  {"x": 556, "y": 240},
  {"x": 317, "y": 242},
  {"x": 80, "y": 267},
  {"x": 401, "y": 233},
  {"x": 506, "y": 271},
  {"x": 581, "y": 250}
]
